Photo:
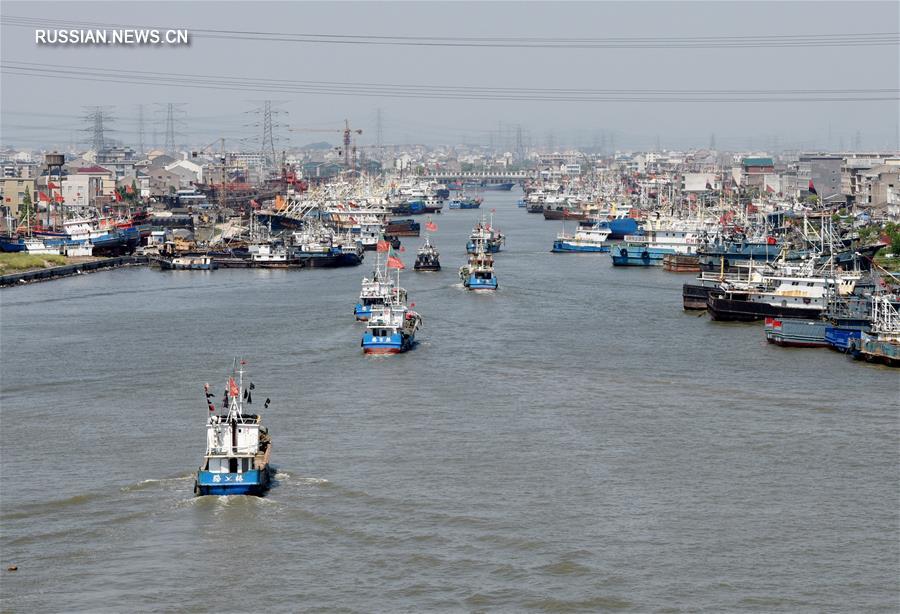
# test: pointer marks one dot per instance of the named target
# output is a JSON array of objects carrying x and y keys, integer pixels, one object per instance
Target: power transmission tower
[
  {"x": 170, "y": 127},
  {"x": 173, "y": 111},
  {"x": 520, "y": 149},
  {"x": 712, "y": 141},
  {"x": 857, "y": 141},
  {"x": 140, "y": 129},
  {"x": 268, "y": 141},
  {"x": 267, "y": 125},
  {"x": 379, "y": 135},
  {"x": 98, "y": 125}
]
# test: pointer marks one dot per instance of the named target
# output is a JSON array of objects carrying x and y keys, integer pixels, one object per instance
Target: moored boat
[
  {"x": 187, "y": 263},
  {"x": 587, "y": 238},
  {"x": 402, "y": 228},
  {"x": 796, "y": 332}
]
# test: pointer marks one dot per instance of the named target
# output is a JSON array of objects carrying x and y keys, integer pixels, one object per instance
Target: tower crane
[
  {"x": 222, "y": 167},
  {"x": 349, "y": 160}
]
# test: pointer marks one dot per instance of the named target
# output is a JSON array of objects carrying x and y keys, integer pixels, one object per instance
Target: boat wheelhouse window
[
  {"x": 232, "y": 465},
  {"x": 245, "y": 465}
]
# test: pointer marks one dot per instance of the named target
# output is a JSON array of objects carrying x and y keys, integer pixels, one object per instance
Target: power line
[{"x": 445, "y": 92}]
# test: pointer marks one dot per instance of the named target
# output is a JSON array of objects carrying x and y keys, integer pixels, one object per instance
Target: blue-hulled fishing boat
[{"x": 238, "y": 446}]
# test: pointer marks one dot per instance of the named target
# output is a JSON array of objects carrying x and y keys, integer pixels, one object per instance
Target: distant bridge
[{"x": 492, "y": 177}]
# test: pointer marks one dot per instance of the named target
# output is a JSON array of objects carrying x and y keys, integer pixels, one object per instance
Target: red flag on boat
[
  {"x": 233, "y": 388},
  {"x": 52, "y": 185},
  {"x": 812, "y": 188},
  {"x": 401, "y": 249},
  {"x": 59, "y": 198},
  {"x": 430, "y": 226},
  {"x": 118, "y": 196},
  {"x": 395, "y": 263},
  {"x": 43, "y": 197},
  {"x": 129, "y": 189},
  {"x": 383, "y": 246}
]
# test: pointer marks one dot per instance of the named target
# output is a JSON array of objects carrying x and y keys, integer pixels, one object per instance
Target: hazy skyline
[{"x": 47, "y": 109}]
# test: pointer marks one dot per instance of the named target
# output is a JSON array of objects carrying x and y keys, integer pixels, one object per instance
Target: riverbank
[{"x": 16, "y": 269}]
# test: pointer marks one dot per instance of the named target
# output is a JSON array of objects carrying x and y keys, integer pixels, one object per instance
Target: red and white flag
[{"x": 233, "y": 389}]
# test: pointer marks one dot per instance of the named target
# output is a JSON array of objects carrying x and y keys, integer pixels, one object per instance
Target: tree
[{"x": 26, "y": 210}]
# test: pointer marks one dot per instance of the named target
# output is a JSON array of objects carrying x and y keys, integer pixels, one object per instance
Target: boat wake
[{"x": 154, "y": 482}]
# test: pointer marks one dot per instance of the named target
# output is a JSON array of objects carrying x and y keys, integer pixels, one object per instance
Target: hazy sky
[{"x": 40, "y": 110}]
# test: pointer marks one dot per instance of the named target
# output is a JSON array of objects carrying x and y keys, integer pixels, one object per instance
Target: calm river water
[{"x": 575, "y": 442}]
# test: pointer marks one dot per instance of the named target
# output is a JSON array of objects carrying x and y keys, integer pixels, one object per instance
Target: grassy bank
[
  {"x": 891, "y": 264},
  {"x": 10, "y": 263}
]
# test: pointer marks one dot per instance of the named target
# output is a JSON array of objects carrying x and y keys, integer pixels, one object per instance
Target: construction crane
[
  {"x": 222, "y": 167},
  {"x": 349, "y": 160}
]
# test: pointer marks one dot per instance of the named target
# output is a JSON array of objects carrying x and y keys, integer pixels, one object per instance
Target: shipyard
[{"x": 597, "y": 309}]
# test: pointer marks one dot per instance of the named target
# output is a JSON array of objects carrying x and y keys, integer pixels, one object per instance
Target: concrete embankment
[{"x": 68, "y": 270}]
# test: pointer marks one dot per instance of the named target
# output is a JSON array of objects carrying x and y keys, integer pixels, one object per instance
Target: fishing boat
[
  {"x": 649, "y": 248},
  {"x": 485, "y": 233},
  {"x": 564, "y": 211},
  {"x": 402, "y": 228},
  {"x": 505, "y": 186},
  {"x": 319, "y": 246},
  {"x": 238, "y": 446},
  {"x": 465, "y": 202},
  {"x": 882, "y": 344},
  {"x": 376, "y": 291},
  {"x": 273, "y": 255},
  {"x": 796, "y": 332},
  {"x": 785, "y": 296},
  {"x": 427, "y": 258},
  {"x": 590, "y": 237},
  {"x": 478, "y": 273},
  {"x": 187, "y": 263},
  {"x": 391, "y": 329}
]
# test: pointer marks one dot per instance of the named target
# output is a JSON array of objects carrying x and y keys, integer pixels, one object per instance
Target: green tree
[{"x": 25, "y": 212}]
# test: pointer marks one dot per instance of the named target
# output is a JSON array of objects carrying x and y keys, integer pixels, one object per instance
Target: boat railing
[{"x": 232, "y": 450}]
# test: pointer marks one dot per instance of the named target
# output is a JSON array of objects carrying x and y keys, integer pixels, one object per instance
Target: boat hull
[
  {"x": 694, "y": 296},
  {"x": 841, "y": 338},
  {"x": 792, "y": 332},
  {"x": 476, "y": 284},
  {"x": 566, "y": 247},
  {"x": 427, "y": 267},
  {"x": 394, "y": 344},
  {"x": 638, "y": 256},
  {"x": 681, "y": 263},
  {"x": 876, "y": 350},
  {"x": 492, "y": 247},
  {"x": 563, "y": 214},
  {"x": 330, "y": 260},
  {"x": 255, "y": 482},
  {"x": 735, "y": 310}
]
